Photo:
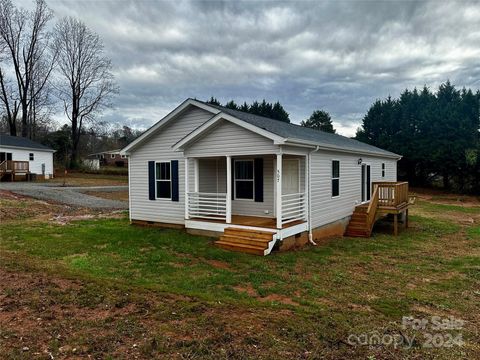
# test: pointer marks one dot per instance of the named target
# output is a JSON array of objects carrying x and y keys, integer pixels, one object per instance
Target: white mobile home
[
  {"x": 21, "y": 156},
  {"x": 254, "y": 181}
]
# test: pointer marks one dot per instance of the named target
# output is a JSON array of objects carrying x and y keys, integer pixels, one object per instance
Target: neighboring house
[
  {"x": 256, "y": 181},
  {"x": 110, "y": 158},
  {"x": 21, "y": 156}
]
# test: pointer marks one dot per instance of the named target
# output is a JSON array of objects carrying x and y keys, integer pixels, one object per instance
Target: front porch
[{"x": 258, "y": 196}]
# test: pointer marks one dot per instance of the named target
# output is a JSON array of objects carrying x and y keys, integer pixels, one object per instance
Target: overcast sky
[{"x": 336, "y": 56}]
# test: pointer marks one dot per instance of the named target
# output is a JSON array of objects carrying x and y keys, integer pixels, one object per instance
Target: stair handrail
[
  {"x": 372, "y": 209},
  {"x": 2, "y": 166}
]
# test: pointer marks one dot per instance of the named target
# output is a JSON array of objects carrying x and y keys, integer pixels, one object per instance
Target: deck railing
[
  {"x": 372, "y": 208},
  {"x": 294, "y": 208},
  {"x": 204, "y": 205},
  {"x": 15, "y": 166},
  {"x": 391, "y": 194}
]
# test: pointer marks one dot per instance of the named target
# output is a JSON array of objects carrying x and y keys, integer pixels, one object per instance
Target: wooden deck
[
  {"x": 256, "y": 221},
  {"x": 389, "y": 198},
  {"x": 10, "y": 168}
]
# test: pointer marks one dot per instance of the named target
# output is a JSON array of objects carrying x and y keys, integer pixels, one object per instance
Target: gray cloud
[{"x": 338, "y": 56}]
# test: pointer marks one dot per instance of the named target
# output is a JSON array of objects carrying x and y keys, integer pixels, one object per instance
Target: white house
[
  {"x": 21, "y": 156},
  {"x": 257, "y": 182}
]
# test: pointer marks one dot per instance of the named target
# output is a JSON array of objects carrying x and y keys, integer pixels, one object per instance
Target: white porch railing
[
  {"x": 294, "y": 208},
  {"x": 207, "y": 205}
]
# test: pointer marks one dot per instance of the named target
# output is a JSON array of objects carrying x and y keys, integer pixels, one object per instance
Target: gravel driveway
[{"x": 67, "y": 195}]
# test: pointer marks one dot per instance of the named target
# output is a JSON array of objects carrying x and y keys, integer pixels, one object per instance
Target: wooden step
[
  {"x": 244, "y": 248},
  {"x": 245, "y": 240},
  {"x": 248, "y": 233}
]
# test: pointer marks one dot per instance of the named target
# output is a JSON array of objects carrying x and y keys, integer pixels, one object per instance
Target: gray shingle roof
[
  {"x": 293, "y": 131},
  {"x": 16, "y": 141}
]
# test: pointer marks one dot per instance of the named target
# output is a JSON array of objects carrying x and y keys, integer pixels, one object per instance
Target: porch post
[
  {"x": 279, "y": 191},
  {"x": 306, "y": 190},
  {"x": 229, "y": 190},
  {"x": 197, "y": 175},
  {"x": 187, "y": 216}
]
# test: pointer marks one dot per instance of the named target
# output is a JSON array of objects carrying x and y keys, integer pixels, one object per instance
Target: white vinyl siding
[
  {"x": 326, "y": 209},
  {"x": 230, "y": 139},
  {"x": 159, "y": 148}
]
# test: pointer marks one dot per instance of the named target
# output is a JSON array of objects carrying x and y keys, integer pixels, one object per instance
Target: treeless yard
[
  {"x": 76, "y": 283},
  {"x": 82, "y": 179}
]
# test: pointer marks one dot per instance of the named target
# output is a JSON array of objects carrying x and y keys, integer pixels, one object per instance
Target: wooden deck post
[
  {"x": 229, "y": 190},
  {"x": 278, "y": 176},
  {"x": 395, "y": 224}
]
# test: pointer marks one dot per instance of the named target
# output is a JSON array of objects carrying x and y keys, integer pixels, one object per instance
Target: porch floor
[{"x": 257, "y": 221}]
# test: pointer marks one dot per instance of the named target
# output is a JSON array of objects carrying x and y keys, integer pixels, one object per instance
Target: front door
[
  {"x": 365, "y": 183},
  {"x": 291, "y": 176},
  {"x": 5, "y": 156}
]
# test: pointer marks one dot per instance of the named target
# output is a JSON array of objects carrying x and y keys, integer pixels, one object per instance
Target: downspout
[{"x": 310, "y": 234}]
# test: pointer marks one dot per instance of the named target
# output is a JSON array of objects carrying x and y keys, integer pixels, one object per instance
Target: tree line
[
  {"x": 437, "y": 133},
  {"x": 44, "y": 66},
  {"x": 319, "y": 120}
]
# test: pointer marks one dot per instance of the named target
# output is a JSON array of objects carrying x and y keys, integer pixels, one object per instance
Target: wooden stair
[
  {"x": 245, "y": 240},
  {"x": 363, "y": 218}
]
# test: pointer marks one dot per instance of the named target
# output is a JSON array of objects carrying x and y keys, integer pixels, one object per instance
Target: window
[
  {"x": 163, "y": 180},
  {"x": 124, "y": 156},
  {"x": 244, "y": 179},
  {"x": 383, "y": 170},
  {"x": 112, "y": 156},
  {"x": 335, "y": 178},
  {"x": 31, "y": 157}
]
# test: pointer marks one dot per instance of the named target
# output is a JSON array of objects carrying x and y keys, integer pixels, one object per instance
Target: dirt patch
[
  {"x": 110, "y": 195},
  {"x": 66, "y": 219},
  {"x": 18, "y": 207},
  {"x": 248, "y": 289},
  {"x": 442, "y": 198},
  {"x": 219, "y": 264},
  {"x": 282, "y": 299}
]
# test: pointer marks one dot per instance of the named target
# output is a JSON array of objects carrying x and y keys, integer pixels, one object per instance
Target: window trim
[
  {"x": 235, "y": 179},
  {"x": 31, "y": 156},
  {"x": 112, "y": 156},
  {"x": 123, "y": 156},
  {"x": 163, "y": 180},
  {"x": 334, "y": 178}
]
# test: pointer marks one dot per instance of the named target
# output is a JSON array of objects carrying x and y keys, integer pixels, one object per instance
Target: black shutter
[
  {"x": 175, "y": 180},
  {"x": 258, "y": 171},
  {"x": 151, "y": 180},
  {"x": 233, "y": 179}
]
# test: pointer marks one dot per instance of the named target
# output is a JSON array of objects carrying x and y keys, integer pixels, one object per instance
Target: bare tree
[
  {"x": 24, "y": 42},
  {"x": 87, "y": 85}
]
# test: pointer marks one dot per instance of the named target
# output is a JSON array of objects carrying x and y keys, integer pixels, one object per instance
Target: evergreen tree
[
  {"x": 319, "y": 120},
  {"x": 213, "y": 101},
  {"x": 436, "y": 133},
  {"x": 266, "y": 109},
  {"x": 231, "y": 105}
]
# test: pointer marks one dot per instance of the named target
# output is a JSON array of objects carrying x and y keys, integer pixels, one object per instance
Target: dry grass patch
[{"x": 110, "y": 195}]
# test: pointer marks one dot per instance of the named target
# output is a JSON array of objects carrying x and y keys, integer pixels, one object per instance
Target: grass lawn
[
  {"x": 105, "y": 288},
  {"x": 82, "y": 179}
]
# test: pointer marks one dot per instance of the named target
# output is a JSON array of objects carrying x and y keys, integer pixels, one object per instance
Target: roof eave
[
  {"x": 26, "y": 148},
  {"x": 300, "y": 142}
]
